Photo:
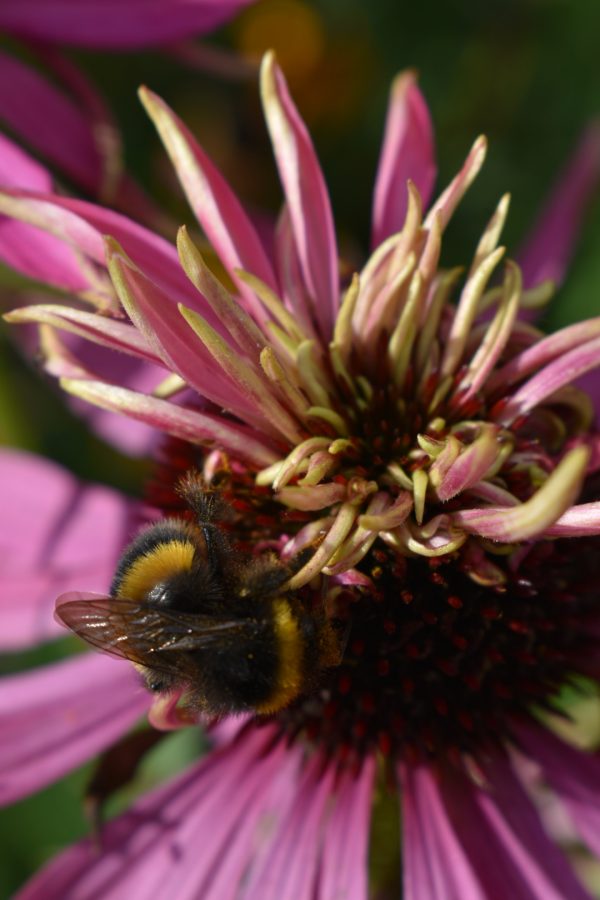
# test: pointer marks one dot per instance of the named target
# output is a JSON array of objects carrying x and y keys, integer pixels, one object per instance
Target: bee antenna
[{"x": 204, "y": 501}]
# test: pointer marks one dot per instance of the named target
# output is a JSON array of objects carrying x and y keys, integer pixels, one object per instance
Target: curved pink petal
[
  {"x": 552, "y": 240},
  {"x": 408, "y": 152},
  {"x": 83, "y": 226},
  {"x": 170, "y": 337},
  {"x": 54, "y": 718},
  {"x": 113, "y": 23},
  {"x": 306, "y": 194},
  {"x": 187, "y": 424},
  {"x": 435, "y": 864},
  {"x": 572, "y": 774},
  {"x": 563, "y": 370},
  {"x": 502, "y": 836},
  {"x": 60, "y": 535},
  {"x": 220, "y": 213},
  {"x": 131, "y": 437}
]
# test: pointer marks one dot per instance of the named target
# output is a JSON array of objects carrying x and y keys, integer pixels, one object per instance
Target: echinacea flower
[{"x": 425, "y": 454}]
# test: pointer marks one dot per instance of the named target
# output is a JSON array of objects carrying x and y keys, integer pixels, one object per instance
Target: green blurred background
[{"x": 525, "y": 72}]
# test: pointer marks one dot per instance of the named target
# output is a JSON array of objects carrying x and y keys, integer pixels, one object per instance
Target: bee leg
[
  {"x": 209, "y": 509},
  {"x": 116, "y": 768}
]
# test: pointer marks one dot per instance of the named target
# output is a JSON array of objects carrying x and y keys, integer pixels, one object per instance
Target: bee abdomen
[{"x": 290, "y": 644}]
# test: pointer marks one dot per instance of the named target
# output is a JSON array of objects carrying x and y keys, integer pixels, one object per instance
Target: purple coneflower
[{"x": 426, "y": 448}]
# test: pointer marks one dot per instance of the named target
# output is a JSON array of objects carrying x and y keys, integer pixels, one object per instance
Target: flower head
[{"x": 419, "y": 457}]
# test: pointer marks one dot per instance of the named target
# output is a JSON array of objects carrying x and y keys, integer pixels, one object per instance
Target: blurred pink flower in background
[
  {"x": 439, "y": 453},
  {"x": 115, "y": 24},
  {"x": 77, "y": 134}
]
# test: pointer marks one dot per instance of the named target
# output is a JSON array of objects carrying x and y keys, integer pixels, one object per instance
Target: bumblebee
[{"x": 194, "y": 614}]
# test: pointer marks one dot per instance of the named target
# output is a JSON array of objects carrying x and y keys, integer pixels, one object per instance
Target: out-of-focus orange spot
[{"x": 290, "y": 27}]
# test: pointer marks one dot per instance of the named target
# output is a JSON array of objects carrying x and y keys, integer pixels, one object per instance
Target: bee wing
[{"x": 142, "y": 633}]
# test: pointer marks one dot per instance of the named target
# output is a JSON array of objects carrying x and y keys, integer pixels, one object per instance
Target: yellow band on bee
[
  {"x": 289, "y": 642},
  {"x": 155, "y": 566}
]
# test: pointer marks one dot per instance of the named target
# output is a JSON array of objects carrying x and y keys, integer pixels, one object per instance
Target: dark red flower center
[{"x": 434, "y": 664}]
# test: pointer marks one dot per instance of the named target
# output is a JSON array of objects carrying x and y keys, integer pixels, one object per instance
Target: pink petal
[
  {"x": 289, "y": 272},
  {"x": 167, "y": 333},
  {"x": 114, "y": 24},
  {"x": 289, "y": 869},
  {"x": 83, "y": 226},
  {"x": 344, "y": 862},
  {"x": 561, "y": 371},
  {"x": 503, "y": 838},
  {"x": 550, "y": 245},
  {"x": 54, "y": 718},
  {"x": 114, "y": 334},
  {"x": 579, "y": 521},
  {"x": 572, "y": 774},
  {"x": 471, "y": 465},
  {"x": 63, "y": 134},
  {"x": 306, "y": 194},
  {"x": 435, "y": 864},
  {"x": 552, "y": 347},
  {"x": 129, "y": 436},
  {"x": 537, "y": 514},
  {"x": 449, "y": 199},
  {"x": 408, "y": 152},
  {"x": 24, "y": 247},
  {"x": 153, "y": 850},
  {"x": 187, "y": 424},
  {"x": 227, "y": 226},
  {"x": 18, "y": 169},
  {"x": 60, "y": 535}
]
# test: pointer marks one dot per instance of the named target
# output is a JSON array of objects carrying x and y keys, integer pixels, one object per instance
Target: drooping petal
[
  {"x": 435, "y": 864},
  {"x": 551, "y": 243},
  {"x": 306, "y": 195},
  {"x": 503, "y": 838},
  {"x": 218, "y": 805},
  {"x": 131, "y": 437},
  {"x": 56, "y": 717},
  {"x": 344, "y": 863},
  {"x": 572, "y": 774},
  {"x": 187, "y": 424},
  {"x": 407, "y": 153},
  {"x": 113, "y": 24},
  {"x": 289, "y": 867},
  {"x": 60, "y": 534}
]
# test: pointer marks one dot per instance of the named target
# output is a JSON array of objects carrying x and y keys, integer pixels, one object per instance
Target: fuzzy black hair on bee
[{"x": 193, "y": 613}]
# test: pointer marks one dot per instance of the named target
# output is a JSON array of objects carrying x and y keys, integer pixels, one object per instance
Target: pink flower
[
  {"x": 431, "y": 458},
  {"x": 126, "y": 24}
]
